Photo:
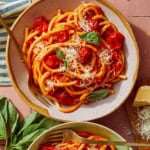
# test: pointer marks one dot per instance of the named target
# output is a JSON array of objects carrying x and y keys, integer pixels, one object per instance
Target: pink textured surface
[{"x": 138, "y": 15}]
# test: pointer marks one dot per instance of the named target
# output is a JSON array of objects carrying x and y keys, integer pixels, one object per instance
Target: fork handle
[
  {"x": 10, "y": 33},
  {"x": 117, "y": 143}
]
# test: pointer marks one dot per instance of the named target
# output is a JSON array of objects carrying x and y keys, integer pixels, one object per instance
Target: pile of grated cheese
[{"x": 143, "y": 125}]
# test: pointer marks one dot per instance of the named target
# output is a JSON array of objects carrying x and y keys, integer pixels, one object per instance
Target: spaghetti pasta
[
  {"x": 69, "y": 145},
  {"x": 73, "y": 55}
]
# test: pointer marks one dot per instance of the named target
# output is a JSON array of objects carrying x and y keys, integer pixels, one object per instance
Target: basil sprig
[
  {"x": 59, "y": 54},
  {"x": 91, "y": 37},
  {"x": 98, "y": 94},
  {"x": 61, "y": 57},
  {"x": 20, "y": 134}
]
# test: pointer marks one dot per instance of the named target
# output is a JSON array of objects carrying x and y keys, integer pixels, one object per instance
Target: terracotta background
[{"x": 137, "y": 12}]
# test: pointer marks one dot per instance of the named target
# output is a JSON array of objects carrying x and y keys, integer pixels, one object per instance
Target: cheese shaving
[
  {"x": 88, "y": 74},
  {"x": 143, "y": 125},
  {"x": 106, "y": 56},
  {"x": 50, "y": 83},
  {"x": 84, "y": 25}
]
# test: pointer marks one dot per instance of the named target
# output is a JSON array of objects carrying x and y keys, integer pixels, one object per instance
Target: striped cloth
[{"x": 9, "y": 9}]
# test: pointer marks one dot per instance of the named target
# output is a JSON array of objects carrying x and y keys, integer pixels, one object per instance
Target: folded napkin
[{"x": 9, "y": 9}]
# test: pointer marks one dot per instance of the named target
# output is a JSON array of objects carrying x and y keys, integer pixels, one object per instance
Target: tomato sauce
[
  {"x": 60, "y": 37},
  {"x": 41, "y": 24},
  {"x": 115, "y": 40},
  {"x": 84, "y": 55},
  {"x": 53, "y": 61}
]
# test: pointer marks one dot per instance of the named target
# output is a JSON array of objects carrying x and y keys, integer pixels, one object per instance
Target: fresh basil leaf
[
  {"x": 3, "y": 130},
  {"x": 15, "y": 147},
  {"x": 14, "y": 139},
  {"x": 29, "y": 138},
  {"x": 91, "y": 37},
  {"x": 65, "y": 63},
  {"x": 24, "y": 132},
  {"x": 20, "y": 147},
  {"x": 9, "y": 113},
  {"x": 13, "y": 118},
  {"x": 61, "y": 57},
  {"x": 50, "y": 123},
  {"x": 98, "y": 95},
  {"x": 1, "y": 137},
  {"x": 32, "y": 118},
  {"x": 59, "y": 54},
  {"x": 4, "y": 107},
  {"x": 45, "y": 123},
  {"x": 25, "y": 141}
]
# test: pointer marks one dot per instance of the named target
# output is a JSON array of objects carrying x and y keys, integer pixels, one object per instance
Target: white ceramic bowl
[
  {"x": 19, "y": 74},
  {"x": 81, "y": 126}
]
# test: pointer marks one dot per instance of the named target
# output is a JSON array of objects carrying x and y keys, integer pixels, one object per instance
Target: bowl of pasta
[
  {"x": 87, "y": 130},
  {"x": 79, "y": 57}
]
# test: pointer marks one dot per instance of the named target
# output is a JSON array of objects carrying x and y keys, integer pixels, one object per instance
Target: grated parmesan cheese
[
  {"x": 38, "y": 47},
  {"x": 71, "y": 53},
  {"x": 143, "y": 125},
  {"x": 49, "y": 83},
  {"x": 88, "y": 74},
  {"x": 76, "y": 39},
  {"x": 71, "y": 56},
  {"x": 62, "y": 68},
  {"x": 84, "y": 25},
  {"x": 106, "y": 56}
]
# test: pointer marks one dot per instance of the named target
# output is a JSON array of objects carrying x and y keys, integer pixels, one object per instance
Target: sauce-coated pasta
[
  {"x": 69, "y": 145},
  {"x": 73, "y": 55}
]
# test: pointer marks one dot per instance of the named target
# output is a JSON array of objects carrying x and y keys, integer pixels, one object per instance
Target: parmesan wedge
[
  {"x": 143, "y": 124},
  {"x": 142, "y": 97}
]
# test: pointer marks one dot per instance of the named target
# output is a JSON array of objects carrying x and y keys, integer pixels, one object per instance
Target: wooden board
[{"x": 132, "y": 112}]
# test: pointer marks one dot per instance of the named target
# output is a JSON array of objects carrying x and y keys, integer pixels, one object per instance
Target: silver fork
[
  {"x": 64, "y": 135},
  {"x": 37, "y": 93},
  {"x": 31, "y": 85}
]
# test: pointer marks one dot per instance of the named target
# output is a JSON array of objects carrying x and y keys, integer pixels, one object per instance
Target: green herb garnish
[
  {"x": 61, "y": 57},
  {"x": 59, "y": 54},
  {"x": 65, "y": 63},
  {"x": 20, "y": 134},
  {"x": 91, "y": 37},
  {"x": 98, "y": 95}
]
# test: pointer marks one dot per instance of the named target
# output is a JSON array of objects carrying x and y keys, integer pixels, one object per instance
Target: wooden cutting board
[{"x": 132, "y": 112}]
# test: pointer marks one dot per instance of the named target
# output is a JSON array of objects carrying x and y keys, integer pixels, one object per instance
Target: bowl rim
[
  {"x": 72, "y": 125},
  {"x": 43, "y": 110}
]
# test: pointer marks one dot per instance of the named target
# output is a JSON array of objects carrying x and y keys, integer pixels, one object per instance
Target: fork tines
[
  {"x": 55, "y": 136},
  {"x": 43, "y": 99}
]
